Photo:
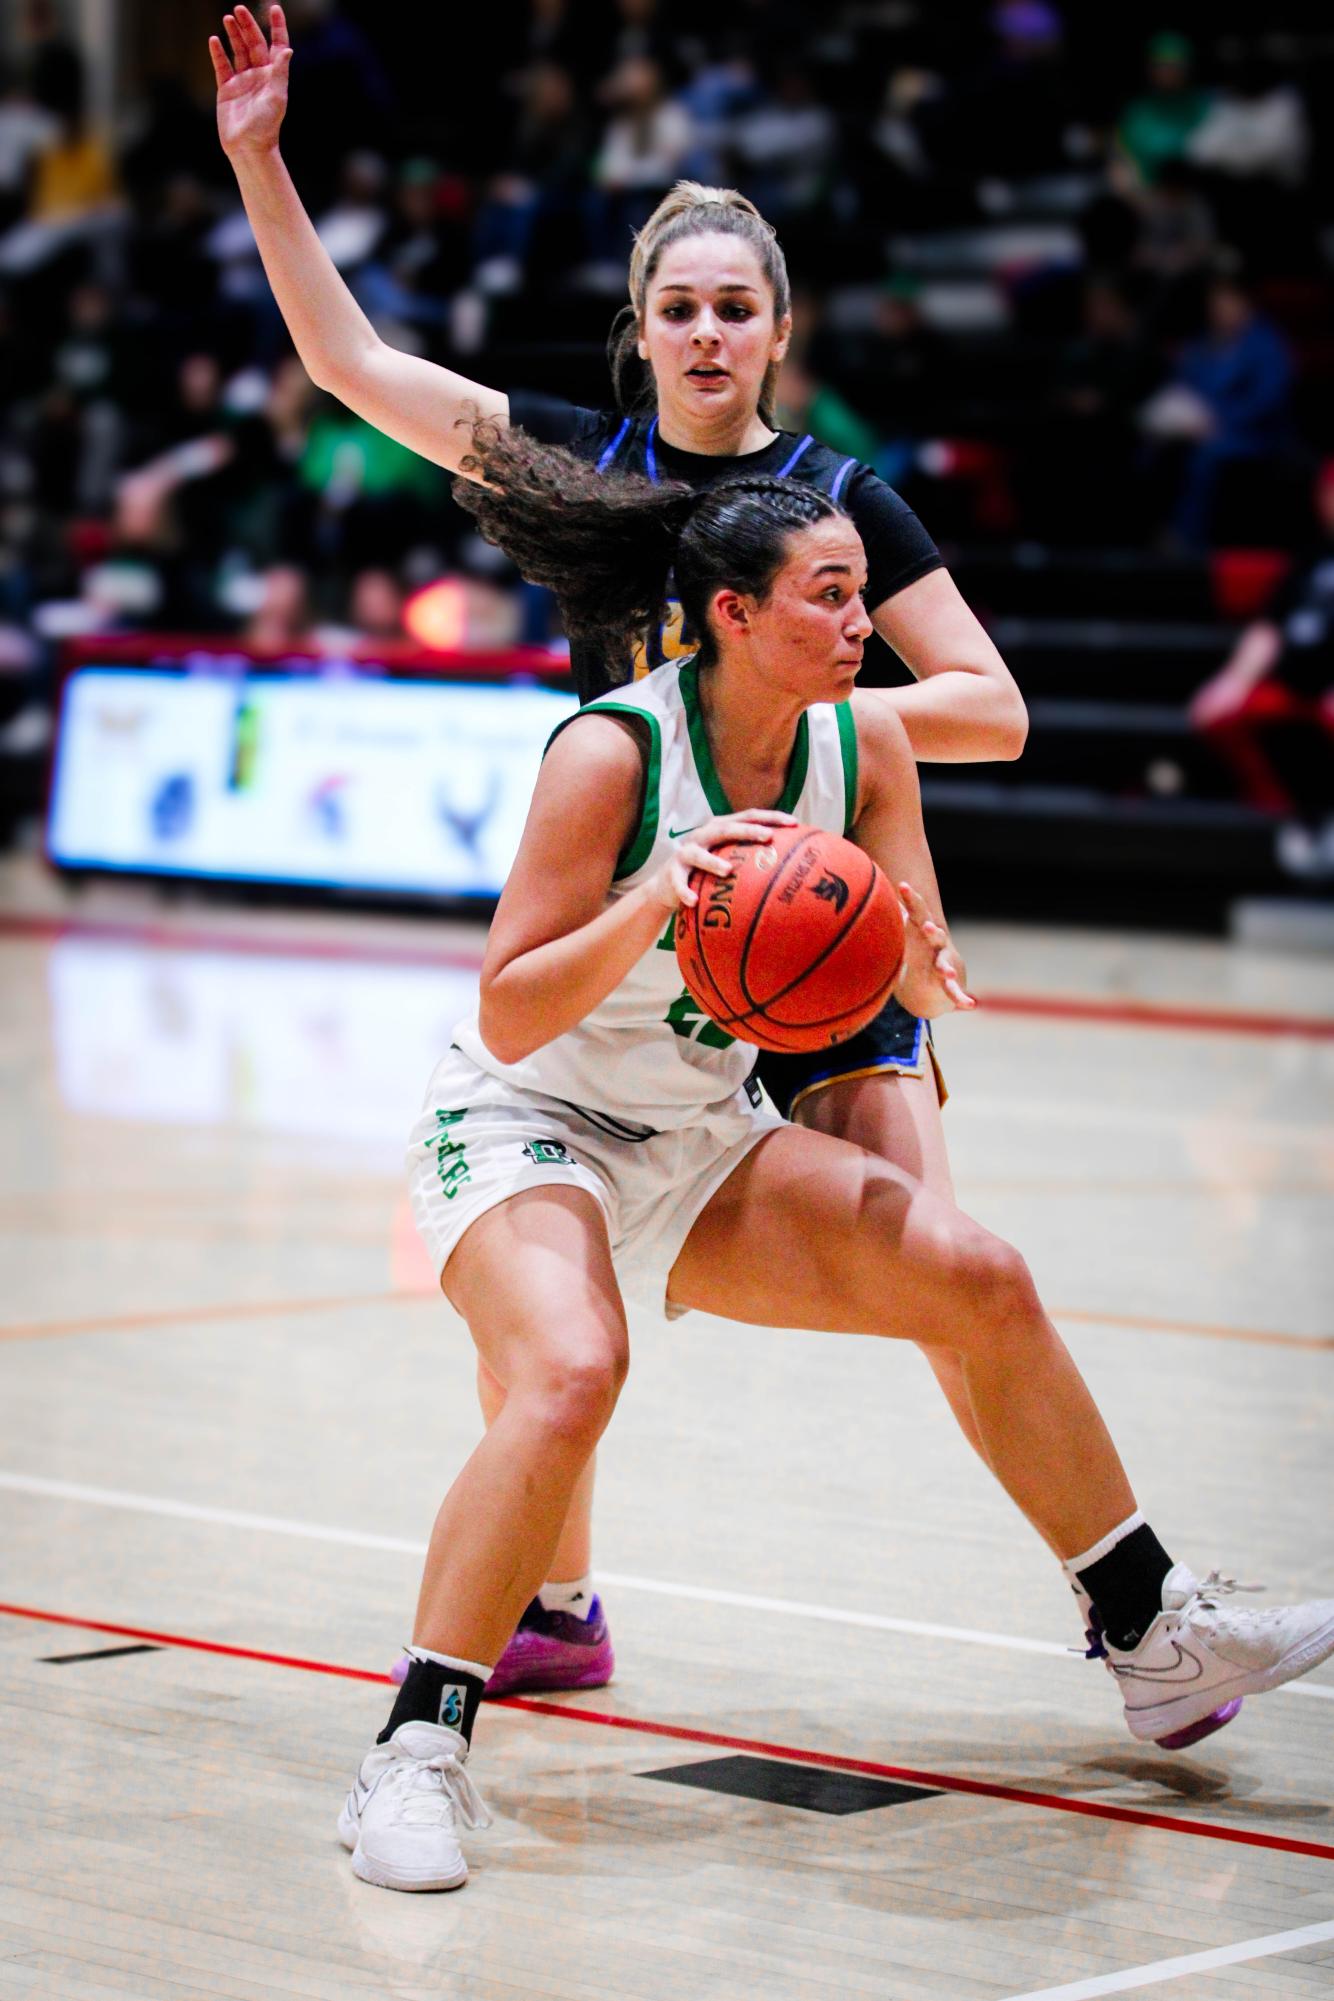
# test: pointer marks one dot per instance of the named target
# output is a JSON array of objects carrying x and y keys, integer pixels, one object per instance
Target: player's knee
[
  {"x": 1002, "y": 1295},
  {"x": 579, "y": 1392},
  {"x": 984, "y": 1291}
]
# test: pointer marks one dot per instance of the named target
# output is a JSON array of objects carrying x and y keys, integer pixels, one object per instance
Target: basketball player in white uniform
[{"x": 582, "y": 1137}]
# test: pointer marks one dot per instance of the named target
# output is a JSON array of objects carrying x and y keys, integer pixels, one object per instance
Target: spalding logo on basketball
[{"x": 799, "y": 947}]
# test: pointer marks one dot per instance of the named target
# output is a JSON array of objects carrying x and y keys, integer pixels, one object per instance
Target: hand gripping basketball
[
  {"x": 699, "y": 853},
  {"x": 798, "y": 946}
]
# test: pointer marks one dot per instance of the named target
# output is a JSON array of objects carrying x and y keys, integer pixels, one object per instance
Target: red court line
[
  {"x": 194, "y": 1646},
  {"x": 249, "y": 944},
  {"x": 168, "y": 1316},
  {"x": 1160, "y": 1014},
  {"x": 1121, "y": 1014},
  {"x": 681, "y": 1733}
]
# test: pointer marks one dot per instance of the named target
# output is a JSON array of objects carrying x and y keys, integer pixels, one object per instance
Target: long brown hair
[
  {"x": 690, "y": 209},
  {"x": 606, "y": 543}
]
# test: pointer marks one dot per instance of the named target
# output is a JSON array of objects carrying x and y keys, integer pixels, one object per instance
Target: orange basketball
[{"x": 797, "y": 948}]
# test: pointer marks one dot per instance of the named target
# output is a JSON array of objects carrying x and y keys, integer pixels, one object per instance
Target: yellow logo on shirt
[{"x": 669, "y": 641}]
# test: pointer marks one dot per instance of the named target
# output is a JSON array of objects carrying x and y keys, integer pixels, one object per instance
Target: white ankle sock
[
  {"x": 454, "y": 1661},
  {"x": 576, "y": 1596},
  {"x": 1072, "y": 1565}
]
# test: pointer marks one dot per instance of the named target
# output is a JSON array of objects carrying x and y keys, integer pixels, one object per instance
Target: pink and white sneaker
[{"x": 549, "y": 1651}]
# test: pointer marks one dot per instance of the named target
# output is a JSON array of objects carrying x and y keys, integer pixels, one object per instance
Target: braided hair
[{"x": 606, "y": 544}]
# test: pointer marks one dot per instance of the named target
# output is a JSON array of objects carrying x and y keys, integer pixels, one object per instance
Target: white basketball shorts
[{"x": 479, "y": 1141}]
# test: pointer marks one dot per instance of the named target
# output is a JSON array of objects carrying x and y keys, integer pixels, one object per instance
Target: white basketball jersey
[{"x": 648, "y": 1054}]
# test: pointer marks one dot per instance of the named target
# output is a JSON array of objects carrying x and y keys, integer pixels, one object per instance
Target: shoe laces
[
  {"x": 1210, "y": 1589},
  {"x": 1207, "y": 1591},
  {"x": 1215, "y": 1585},
  {"x": 439, "y": 1785}
]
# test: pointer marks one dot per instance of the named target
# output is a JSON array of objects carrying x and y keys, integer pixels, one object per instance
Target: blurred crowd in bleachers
[{"x": 1065, "y": 280}]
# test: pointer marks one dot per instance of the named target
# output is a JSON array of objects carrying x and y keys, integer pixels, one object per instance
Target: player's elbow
[
  {"x": 343, "y": 371},
  {"x": 323, "y": 379},
  {"x": 510, "y": 1030},
  {"x": 502, "y": 1034},
  {"x": 504, "y": 1047},
  {"x": 327, "y": 371},
  {"x": 1011, "y": 730}
]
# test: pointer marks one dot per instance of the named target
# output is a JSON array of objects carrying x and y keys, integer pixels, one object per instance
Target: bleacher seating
[
  {"x": 1058, "y": 536},
  {"x": 1117, "y": 803}
]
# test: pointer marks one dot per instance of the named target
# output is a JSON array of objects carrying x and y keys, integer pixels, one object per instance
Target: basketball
[{"x": 799, "y": 947}]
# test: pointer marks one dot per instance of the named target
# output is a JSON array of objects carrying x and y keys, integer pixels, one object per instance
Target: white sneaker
[
  {"x": 1199, "y": 1654},
  {"x": 400, "y": 1818},
  {"x": 1095, "y": 1649}
]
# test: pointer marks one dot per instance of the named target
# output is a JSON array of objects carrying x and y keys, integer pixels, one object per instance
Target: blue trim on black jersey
[
  {"x": 839, "y": 478},
  {"x": 651, "y": 457},
  {"x": 804, "y": 446},
  {"x": 615, "y": 445},
  {"x": 653, "y": 645}
]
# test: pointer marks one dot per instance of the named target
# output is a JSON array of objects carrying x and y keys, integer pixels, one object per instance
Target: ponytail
[
  {"x": 690, "y": 209},
  {"x": 603, "y": 542},
  {"x": 607, "y": 543}
]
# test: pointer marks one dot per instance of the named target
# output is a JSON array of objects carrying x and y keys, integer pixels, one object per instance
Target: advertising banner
[{"x": 346, "y": 780}]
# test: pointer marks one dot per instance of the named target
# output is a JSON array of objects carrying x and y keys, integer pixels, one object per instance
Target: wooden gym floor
[{"x": 846, "y": 1752}]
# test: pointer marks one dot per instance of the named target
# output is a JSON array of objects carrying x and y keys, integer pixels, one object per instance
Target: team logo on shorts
[{"x": 549, "y": 1153}]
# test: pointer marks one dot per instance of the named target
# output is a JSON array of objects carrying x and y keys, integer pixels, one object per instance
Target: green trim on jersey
[
  {"x": 847, "y": 743},
  {"x": 707, "y": 771},
  {"x": 640, "y": 846}
]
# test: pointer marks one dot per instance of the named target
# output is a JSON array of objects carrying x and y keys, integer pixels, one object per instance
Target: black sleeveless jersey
[{"x": 898, "y": 548}]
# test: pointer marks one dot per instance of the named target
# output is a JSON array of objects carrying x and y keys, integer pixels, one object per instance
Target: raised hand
[
  {"x": 252, "y": 85},
  {"x": 932, "y": 971}
]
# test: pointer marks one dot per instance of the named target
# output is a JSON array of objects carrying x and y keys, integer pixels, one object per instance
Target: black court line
[
  {"x": 816, "y": 1789},
  {"x": 98, "y": 1654}
]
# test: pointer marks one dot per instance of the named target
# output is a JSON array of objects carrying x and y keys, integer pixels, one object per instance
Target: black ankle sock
[
  {"x": 434, "y": 1693},
  {"x": 1126, "y": 1586}
]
